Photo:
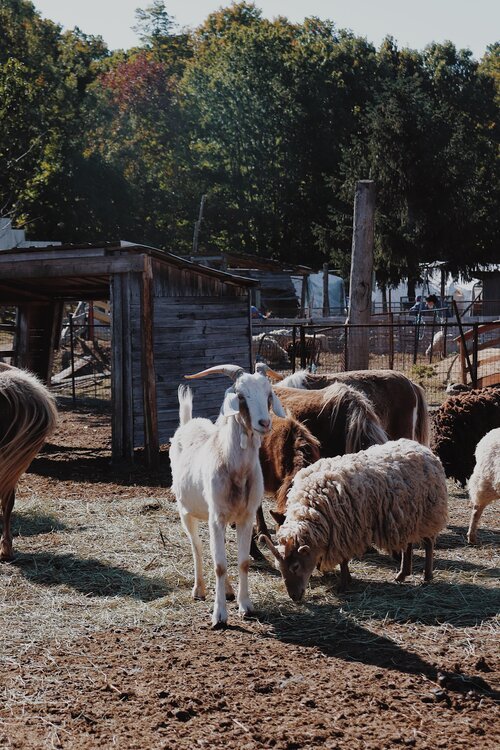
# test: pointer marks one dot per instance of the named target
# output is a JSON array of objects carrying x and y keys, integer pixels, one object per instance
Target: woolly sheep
[
  {"x": 458, "y": 426},
  {"x": 28, "y": 415},
  {"x": 484, "y": 484},
  {"x": 389, "y": 496}
]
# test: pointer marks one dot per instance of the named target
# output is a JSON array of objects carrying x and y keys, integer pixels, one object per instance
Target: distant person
[
  {"x": 429, "y": 305},
  {"x": 431, "y": 302},
  {"x": 419, "y": 305},
  {"x": 257, "y": 314}
]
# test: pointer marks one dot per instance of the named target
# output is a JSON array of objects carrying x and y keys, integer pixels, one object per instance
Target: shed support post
[{"x": 150, "y": 407}]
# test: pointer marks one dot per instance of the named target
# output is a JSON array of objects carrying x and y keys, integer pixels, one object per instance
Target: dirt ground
[{"x": 102, "y": 646}]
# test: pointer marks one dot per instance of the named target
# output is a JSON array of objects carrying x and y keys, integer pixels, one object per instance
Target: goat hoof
[
  {"x": 472, "y": 539},
  {"x": 219, "y": 625},
  {"x": 199, "y": 594},
  {"x": 246, "y": 609},
  {"x": 400, "y": 577}
]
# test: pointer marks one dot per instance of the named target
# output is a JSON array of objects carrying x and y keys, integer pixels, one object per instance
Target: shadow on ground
[
  {"x": 88, "y": 576},
  {"x": 335, "y": 635}
]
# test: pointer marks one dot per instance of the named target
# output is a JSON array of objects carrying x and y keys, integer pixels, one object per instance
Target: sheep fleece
[
  {"x": 484, "y": 484},
  {"x": 387, "y": 496}
]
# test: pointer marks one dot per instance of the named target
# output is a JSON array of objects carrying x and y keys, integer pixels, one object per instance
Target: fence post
[
  {"x": 346, "y": 348},
  {"x": 391, "y": 341},
  {"x": 326, "y": 295},
  {"x": 294, "y": 339},
  {"x": 432, "y": 337},
  {"x": 72, "y": 355},
  {"x": 302, "y": 348},
  {"x": 475, "y": 355},
  {"x": 360, "y": 287}
]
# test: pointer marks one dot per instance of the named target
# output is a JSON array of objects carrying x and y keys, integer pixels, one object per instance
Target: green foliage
[{"x": 274, "y": 122}]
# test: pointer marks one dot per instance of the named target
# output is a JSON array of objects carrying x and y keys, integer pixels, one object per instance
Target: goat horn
[
  {"x": 264, "y": 369},
  {"x": 232, "y": 371},
  {"x": 265, "y": 540}
]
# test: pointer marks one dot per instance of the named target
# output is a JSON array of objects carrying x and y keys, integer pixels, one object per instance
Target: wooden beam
[{"x": 30, "y": 268}]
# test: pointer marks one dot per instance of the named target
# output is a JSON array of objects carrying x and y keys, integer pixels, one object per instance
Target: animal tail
[
  {"x": 362, "y": 425},
  {"x": 28, "y": 415},
  {"x": 422, "y": 428},
  {"x": 185, "y": 395}
]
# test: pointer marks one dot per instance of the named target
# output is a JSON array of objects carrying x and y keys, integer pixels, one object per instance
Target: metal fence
[
  {"x": 430, "y": 351},
  {"x": 82, "y": 364}
]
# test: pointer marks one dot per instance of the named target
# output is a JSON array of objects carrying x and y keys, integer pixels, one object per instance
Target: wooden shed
[{"x": 169, "y": 317}]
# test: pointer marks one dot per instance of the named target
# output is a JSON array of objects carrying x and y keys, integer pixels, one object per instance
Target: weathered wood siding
[{"x": 198, "y": 322}]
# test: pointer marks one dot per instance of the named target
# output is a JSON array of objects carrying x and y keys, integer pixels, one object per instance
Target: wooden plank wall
[{"x": 198, "y": 322}]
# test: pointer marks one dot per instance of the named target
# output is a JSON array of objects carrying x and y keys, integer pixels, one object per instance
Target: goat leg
[
  {"x": 218, "y": 550},
  {"x": 244, "y": 534},
  {"x": 261, "y": 522}
]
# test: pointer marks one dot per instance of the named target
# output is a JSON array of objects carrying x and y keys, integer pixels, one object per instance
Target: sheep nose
[{"x": 265, "y": 423}]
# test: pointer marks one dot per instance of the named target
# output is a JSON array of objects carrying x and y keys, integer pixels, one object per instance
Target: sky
[{"x": 472, "y": 24}]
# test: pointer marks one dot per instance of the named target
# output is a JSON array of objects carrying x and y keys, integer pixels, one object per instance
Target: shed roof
[{"x": 82, "y": 272}]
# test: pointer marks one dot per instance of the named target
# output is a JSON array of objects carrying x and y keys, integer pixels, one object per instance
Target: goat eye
[{"x": 241, "y": 398}]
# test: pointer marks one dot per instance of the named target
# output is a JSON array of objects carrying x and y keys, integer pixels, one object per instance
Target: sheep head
[{"x": 295, "y": 563}]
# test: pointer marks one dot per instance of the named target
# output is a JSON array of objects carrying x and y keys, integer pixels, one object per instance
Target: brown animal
[
  {"x": 398, "y": 402},
  {"x": 27, "y": 417},
  {"x": 287, "y": 449},
  {"x": 340, "y": 417},
  {"x": 458, "y": 426}
]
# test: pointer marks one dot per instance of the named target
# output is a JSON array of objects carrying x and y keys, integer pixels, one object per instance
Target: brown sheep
[{"x": 458, "y": 426}]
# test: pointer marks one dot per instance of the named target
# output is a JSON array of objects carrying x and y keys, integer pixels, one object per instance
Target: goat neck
[{"x": 237, "y": 439}]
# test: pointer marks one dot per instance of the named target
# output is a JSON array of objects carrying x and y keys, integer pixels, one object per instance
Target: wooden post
[
  {"x": 326, "y": 296},
  {"x": 360, "y": 291},
  {"x": 305, "y": 280},
  {"x": 150, "y": 406},
  {"x": 117, "y": 385}
]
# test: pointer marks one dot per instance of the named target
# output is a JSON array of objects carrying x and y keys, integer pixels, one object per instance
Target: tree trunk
[{"x": 360, "y": 291}]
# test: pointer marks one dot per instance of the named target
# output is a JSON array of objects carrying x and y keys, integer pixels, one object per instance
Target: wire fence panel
[
  {"x": 82, "y": 365},
  {"x": 428, "y": 350}
]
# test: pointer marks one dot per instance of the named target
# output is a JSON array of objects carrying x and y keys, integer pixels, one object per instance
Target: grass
[{"x": 121, "y": 559}]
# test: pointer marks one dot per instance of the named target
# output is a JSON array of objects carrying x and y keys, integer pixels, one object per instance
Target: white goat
[{"x": 217, "y": 476}]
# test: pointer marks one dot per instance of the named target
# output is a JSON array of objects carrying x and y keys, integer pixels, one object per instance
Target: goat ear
[
  {"x": 230, "y": 405},
  {"x": 278, "y": 517},
  {"x": 277, "y": 407},
  {"x": 304, "y": 549}
]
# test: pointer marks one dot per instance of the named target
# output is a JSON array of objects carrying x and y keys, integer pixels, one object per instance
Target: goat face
[{"x": 250, "y": 398}]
